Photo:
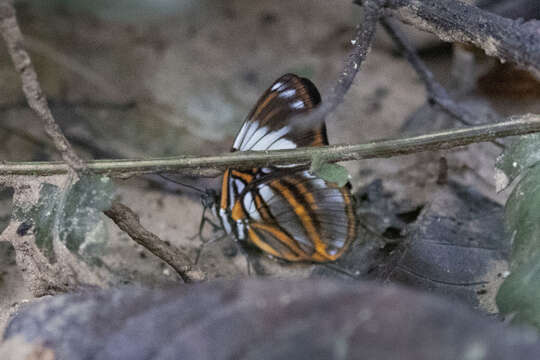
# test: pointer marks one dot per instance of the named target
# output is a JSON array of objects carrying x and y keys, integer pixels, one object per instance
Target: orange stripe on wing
[
  {"x": 263, "y": 104},
  {"x": 242, "y": 175},
  {"x": 225, "y": 190},
  {"x": 255, "y": 239},
  {"x": 269, "y": 116},
  {"x": 351, "y": 223},
  {"x": 238, "y": 212},
  {"x": 350, "y": 214},
  {"x": 304, "y": 217},
  {"x": 318, "y": 139},
  {"x": 307, "y": 195},
  {"x": 296, "y": 253}
]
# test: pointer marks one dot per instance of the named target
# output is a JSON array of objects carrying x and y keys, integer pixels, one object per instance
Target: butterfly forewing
[
  {"x": 272, "y": 125},
  {"x": 286, "y": 211}
]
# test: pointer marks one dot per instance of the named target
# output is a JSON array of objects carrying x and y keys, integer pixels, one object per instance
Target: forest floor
[{"x": 184, "y": 86}]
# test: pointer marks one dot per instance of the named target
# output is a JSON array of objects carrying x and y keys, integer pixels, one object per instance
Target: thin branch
[
  {"x": 456, "y": 21},
  {"x": 32, "y": 90},
  {"x": 436, "y": 92},
  {"x": 362, "y": 44},
  {"x": 128, "y": 221},
  {"x": 214, "y": 165},
  {"x": 62, "y": 103}
]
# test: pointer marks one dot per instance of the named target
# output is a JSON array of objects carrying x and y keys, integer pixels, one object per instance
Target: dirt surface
[{"x": 183, "y": 84}]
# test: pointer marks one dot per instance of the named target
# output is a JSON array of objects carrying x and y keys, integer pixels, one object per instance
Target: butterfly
[{"x": 285, "y": 211}]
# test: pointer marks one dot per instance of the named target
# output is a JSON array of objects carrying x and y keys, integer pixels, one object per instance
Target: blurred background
[
  {"x": 169, "y": 77},
  {"x": 150, "y": 78}
]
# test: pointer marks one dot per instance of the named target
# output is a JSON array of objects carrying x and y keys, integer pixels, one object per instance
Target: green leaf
[
  {"x": 73, "y": 216},
  {"x": 333, "y": 173},
  {"x": 42, "y": 216},
  {"x": 520, "y": 292},
  {"x": 523, "y": 153},
  {"x": 522, "y": 217}
]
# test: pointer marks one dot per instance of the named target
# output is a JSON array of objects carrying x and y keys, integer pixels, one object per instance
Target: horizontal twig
[
  {"x": 456, "y": 21},
  {"x": 213, "y": 165}
]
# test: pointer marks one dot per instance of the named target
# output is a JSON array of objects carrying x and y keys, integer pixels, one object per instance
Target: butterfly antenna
[{"x": 183, "y": 184}]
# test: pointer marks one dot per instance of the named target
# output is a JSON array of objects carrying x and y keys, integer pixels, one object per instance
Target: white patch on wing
[
  {"x": 225, "y": 220},
  {"x": 266, "y": 193},
  {"x": 319, "y": 184},
  {"x": 298, "y": 104},
  {"x": 266, "y": 141},
  {"x": 249, "y": 206},
  {"x": 282, "y": 144},
  {"x": 241, "y": 227},
  {"x": 287, "y": 165},
  {"x": 287, "y": 93},
  {"x": 258, "y": 135},
  {"x": 231, "y": 194},
  {"x": 308, "y": 175},
  {"x": 240, "y": 135},
  {"x": 253, "y": 125},
  {"x": 338, "y": 242},
  {"x": 239, "y": 185},
  {"x": 276, "y": 86}
]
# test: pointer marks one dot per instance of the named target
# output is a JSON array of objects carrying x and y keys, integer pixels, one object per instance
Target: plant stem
[
  {"x": 436, "y": 92},
  {"x": 127, "y": 220},
  {"x": 510, "y": 40},
  {"x": 213, "y": 165},
  {"x": 36, "y": 99}
]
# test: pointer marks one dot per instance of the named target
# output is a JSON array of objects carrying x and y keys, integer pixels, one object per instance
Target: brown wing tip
[{"x": 306, "y": 83}]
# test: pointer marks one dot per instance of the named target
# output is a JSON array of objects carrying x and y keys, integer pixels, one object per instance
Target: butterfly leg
[
  {"x": 252, "y": 256},
  {"x": 203, "y": 245},
  {"x": 204, "y": 219},
  {"x": 246, "y": 256}
]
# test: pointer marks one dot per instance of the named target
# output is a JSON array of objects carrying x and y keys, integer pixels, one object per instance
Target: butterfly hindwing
[{"x": 301, "y": 217}]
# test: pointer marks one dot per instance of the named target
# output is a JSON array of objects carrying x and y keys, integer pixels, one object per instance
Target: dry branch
[
  {"x": 435, "y": 92},
  {"x": 44, "y": 278},
  {"x": 128, "y": 221},
  {"x": 41, "y": 277},
  {"x": 455, "y": 21},
  {"x": 32, "y": 90},
  {"x": 362, "y": 44}
]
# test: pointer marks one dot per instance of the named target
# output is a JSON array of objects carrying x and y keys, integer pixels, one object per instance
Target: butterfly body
[{"x": 285, "y": 211}]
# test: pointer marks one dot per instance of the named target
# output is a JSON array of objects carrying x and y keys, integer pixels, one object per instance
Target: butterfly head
[{"x": 209, "y": 199}]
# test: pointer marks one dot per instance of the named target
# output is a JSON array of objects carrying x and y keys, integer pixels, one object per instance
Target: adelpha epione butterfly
[{"x": 285, "y": 211}]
